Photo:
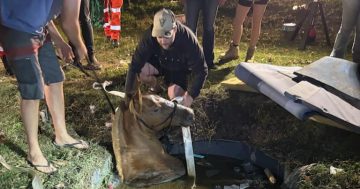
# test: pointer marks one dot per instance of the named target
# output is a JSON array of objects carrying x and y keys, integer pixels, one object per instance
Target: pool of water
[
  {"x": 224, "y": 164},
  {"x": 218, "y": 172}
]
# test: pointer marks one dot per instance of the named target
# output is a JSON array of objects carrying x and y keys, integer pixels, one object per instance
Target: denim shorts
[
  {"x": 32, "y": 60},
  {"x": 248, "y": 3}
]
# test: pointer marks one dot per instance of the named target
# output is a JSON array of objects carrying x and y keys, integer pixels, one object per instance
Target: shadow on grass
[
  {"x": 15, "y": 148},
  {"x": 218, "y": 75}
]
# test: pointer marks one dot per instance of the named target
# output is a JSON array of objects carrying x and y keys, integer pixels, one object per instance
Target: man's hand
[
  {"x": 66, "y": 52},
  {"x": 188, "y": 100},
  {"x": 221, "y": 2}
]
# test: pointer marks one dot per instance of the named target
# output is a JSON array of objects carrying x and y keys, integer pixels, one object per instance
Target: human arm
[
  {"x": 65, "y": 49},
  {"x": 143, "y": 52},
  {"x": 71, "y": 27},
  {"x": 196, "y": 63}
]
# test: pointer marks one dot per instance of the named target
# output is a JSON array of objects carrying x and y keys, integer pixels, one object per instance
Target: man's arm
[
  {"x": 71, "y": 27},
  {"x": 143, "y": 52},
  {"x": 199, "y": 69}
]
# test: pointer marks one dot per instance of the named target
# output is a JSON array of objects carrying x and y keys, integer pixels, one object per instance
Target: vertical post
[
  {"x": 311, "y": 16},
  {"x": 326, "y": 31},
  {"x": 299, "y": 25}
]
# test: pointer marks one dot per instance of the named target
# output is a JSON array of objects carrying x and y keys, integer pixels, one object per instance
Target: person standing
[
  {"x": 350, "y": 21},
  {"x": 170, "y": 49},
  {"x": 37, "y": 71},
  {"x": 88, "y": 37},
  {"x": 242, "y": 9},
  {"x": 209, "y": 10},
  {"x": 112, "y": 21}
]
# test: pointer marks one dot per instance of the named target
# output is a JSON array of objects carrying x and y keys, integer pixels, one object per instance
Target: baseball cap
[{"x": 164, "y": 22}]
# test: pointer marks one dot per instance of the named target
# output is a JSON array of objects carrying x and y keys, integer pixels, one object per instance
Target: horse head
[
  {"x": 140, "y": 157},
  {"x": 157, "y": 113}
]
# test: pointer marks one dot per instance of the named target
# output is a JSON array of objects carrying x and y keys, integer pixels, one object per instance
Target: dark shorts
[
  {"x": 178, "y": 77},
  {"x": 33, "y": 62},
  {"x": 248, "y": 3}
]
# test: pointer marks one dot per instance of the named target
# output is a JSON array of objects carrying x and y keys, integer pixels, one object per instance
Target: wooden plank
[
  {"x": 328, "y": 105},
  {"x": 237, "y": 85}
]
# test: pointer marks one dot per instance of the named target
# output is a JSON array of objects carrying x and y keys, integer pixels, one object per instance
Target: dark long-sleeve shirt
[{"x": 184, "y": 54}]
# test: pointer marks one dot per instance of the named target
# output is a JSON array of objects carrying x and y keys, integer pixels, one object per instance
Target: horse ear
[
  {"x": 123, "y": 105},
  {"x": 134, "y": 101}
]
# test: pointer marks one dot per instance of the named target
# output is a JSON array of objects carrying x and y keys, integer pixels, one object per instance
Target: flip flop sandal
[
  {"x": 71, "y": 145},
  {"x": 40, "y": 166}
]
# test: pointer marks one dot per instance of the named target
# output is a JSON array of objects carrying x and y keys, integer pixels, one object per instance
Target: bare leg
[
  {"x": 233, "y": 52},
  {"x": 30, "y": 118},
  {"x": 55, "y": 101},
  {"x": 258, "y": 14},
  {"x": 175, "y": 91},
  {"x": 238, "y": 22}
]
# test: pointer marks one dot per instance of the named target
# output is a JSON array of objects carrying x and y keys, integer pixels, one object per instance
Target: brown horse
[{"x": 140, "y": 157}]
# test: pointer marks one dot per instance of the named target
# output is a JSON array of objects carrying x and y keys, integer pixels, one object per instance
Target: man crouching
[{"x": 169, "y": 49}]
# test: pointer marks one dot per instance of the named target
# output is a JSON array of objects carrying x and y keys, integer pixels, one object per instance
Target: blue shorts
[
  {"x": 248, "y": 3},
  {"x": 32, "y": 60}
]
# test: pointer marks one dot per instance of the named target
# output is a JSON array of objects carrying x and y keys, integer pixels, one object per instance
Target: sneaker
[
  {"x": 231, "y": 54},
  {"x": 115, "y": 43},
  {"x": 92, "y": 66},
  {"x": 250, "y": 53}
]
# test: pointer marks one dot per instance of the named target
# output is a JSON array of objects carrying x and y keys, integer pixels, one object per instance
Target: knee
[{"x": 175, "y": 91}]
